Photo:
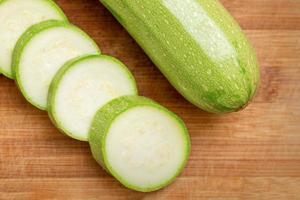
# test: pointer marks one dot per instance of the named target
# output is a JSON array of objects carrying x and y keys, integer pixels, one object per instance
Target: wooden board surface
[{"x": 253, "y": 154}]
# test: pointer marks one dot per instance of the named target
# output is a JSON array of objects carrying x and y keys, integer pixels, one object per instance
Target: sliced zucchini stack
[
  {"x": 15, "y": 17},
  {"x": 142, "y": 144},
  {"x": 90, "y": 97},
  {"x": 41, "y": 51},
  {"x": 83, "y": 86}
]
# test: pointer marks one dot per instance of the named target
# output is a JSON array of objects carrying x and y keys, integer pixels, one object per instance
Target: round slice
[
  {"x": 41, "y": 51},
  {"x": 83, "y": 86},
  {"x": 142, "y": 144},
  {"x": 18, "y": 15}
]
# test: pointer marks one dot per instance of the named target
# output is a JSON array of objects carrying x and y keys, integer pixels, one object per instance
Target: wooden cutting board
[{"x": 253, "y": 154}]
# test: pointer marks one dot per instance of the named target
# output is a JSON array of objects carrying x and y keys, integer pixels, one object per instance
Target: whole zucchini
[{"x": 198, "y": 46}]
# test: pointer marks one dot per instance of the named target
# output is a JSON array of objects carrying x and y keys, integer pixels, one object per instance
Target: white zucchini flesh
[
  {"x": 142, "y": 144},
  {"x": 83, "y": 86},
  {"x": 145, "y": 147},
  {"x": 42, "y": 51},
  {"x": 15, "y": 17}
]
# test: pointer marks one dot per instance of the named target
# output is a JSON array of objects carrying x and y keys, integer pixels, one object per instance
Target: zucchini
[
  {"x": 198, "y": 46},
  {"x": 15, "y": 17},
  {"x": 81, "y": 87},
  {"x": 41, "y": 51},
  {"x": 142, "y": 144}
]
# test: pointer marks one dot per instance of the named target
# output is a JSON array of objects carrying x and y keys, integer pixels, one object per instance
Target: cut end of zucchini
[
  {"x": 145, "y": 148},
  {"x": 142, "y": 144},
  {"x": 83, "y": 86},
  {"x": 41, "y": 51},
  {"x": 18, "y": 15}
]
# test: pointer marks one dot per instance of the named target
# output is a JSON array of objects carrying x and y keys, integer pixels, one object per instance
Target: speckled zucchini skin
[
  {"x": 198, "y": 46},
  {"x": 102, "y": 123}
]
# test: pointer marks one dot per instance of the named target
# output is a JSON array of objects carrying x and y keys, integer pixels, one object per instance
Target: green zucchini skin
[
  {"x": 102, "y": 122},
  {"x": 198, "y": 46}
]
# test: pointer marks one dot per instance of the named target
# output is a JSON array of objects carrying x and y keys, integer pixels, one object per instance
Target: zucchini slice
[
  {"x": 18, "y": 15},
  {"x": 142, "y": 144},
  {"x": 41, "y": 51},
  {"x": 81, "y": 87}
]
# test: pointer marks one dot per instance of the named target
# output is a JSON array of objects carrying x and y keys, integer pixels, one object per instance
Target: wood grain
[{"x": 253, "y": 154}]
